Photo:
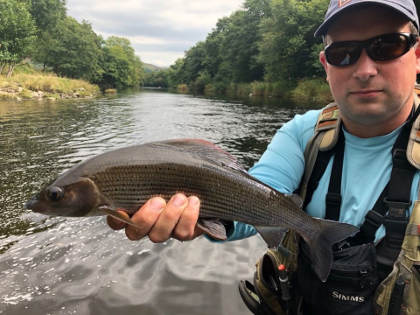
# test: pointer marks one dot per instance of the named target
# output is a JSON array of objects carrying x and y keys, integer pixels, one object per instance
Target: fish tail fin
[{"x": 321, "y": 245}]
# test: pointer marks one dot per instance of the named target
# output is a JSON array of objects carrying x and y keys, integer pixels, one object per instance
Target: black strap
[
  {"x": 333, "y": 197},
  {"x": 396, "y": 298},
  {"x": 319, "y": 168},
  {"x": 393, "y": 203}
]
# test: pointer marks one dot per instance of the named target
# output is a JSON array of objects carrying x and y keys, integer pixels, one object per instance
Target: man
[{"x": 371, "y": 61}]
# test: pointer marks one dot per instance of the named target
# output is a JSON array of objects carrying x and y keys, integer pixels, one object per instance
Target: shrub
[{"x": 311, "y": 93}]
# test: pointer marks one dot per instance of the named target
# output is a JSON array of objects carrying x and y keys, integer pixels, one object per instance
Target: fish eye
[{"x": 55, "y": 193}]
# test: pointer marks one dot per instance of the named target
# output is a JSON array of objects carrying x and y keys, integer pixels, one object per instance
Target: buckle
[
  {"x": 374, "y": 218},
  {"x": 393, "y": 205}
]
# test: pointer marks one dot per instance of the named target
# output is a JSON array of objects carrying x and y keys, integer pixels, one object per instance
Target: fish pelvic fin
[
  {"x": 213, "y": 228},
  {"x": 321, "y": 245},
  {"x": 117, "y": 215}
]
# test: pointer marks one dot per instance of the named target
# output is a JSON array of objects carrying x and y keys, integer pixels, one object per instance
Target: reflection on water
[{"x": 80, "y": 266}]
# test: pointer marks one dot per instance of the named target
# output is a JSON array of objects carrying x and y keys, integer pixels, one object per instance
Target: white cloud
[{"x": 159, "y": 30}]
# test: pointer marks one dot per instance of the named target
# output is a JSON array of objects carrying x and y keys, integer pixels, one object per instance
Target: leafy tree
[
  {"x": 47, "y": 14},
  {"x": 288, "y": 48},
  {"x": 240, "y": 47},
  {"x": 122, "y": 68},
  {"x": 176, "y": 73},
  {"x": 17, "y": 33},
  {"x": 75, "y": 50},
  {"x": 194, "y": 62},
  {"x": 156, "y": 79},
  {"x": 229, "y": 52}
]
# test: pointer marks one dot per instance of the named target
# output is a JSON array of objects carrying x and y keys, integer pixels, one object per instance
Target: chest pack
[{"x": 365, "y": 279}]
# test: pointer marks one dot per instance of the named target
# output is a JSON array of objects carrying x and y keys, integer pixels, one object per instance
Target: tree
[
  {"x": 17, "y": 33},
  {"x": 75, "y": 50},
  {"x": 240, "y": 46},
  {"x": 176, "y": 73},
  {"x": 288, "y": 48},
  {"x": 122, "y": 68},
  {"x": 47, "y": 14},
  {"x": 157, "y": 79}
]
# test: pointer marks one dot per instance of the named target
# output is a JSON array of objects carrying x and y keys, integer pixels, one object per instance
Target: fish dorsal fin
[{"x": 204, "y": 150}]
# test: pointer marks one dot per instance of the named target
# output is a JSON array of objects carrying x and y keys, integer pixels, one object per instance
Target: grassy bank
[
  {"x": 310, "y": 93},
  {"x": 36, "y": 85}
]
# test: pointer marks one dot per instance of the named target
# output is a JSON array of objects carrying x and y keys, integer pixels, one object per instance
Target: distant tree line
[
  {"x": 42, "y": 31},
  {"x": 265, "y": 41}
]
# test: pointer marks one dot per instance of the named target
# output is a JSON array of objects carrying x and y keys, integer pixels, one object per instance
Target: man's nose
[{"x": 366, "y": 68}]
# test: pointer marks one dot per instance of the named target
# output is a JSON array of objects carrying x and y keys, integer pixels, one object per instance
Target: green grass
[{"x": 25, "y": 81}]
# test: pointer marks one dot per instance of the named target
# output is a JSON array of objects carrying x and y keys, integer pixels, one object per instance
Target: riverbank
[
  {"x": 21, "y": 86},
  {"x": 309, "y": 93}
]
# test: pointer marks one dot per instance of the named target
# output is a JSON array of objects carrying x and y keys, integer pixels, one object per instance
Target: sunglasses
[{"x": 379, "y": 48}]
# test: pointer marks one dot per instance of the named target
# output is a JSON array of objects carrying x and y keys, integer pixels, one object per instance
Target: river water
[{"x": 79, "y": 265}]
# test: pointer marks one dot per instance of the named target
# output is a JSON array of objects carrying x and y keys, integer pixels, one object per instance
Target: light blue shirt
[{"x": 366, "y": 171}]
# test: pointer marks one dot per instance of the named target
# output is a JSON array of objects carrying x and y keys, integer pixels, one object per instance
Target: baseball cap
[{"x": 336, "y": 7}]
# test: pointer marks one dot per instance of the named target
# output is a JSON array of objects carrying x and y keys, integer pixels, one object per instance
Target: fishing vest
[{"x": 387, "y": 276}]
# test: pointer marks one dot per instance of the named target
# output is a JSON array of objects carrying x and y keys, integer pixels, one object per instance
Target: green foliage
[
  {"x": 240, "y": 47},
  {"x": 47, "y": 13},
  {"x": 75, "y": 51},
  {"x": 176, "y": 74},
  {"x": 311, "y": 92},
  {"x": 288, "y": 48},
  {"x": 17, "y": 33},
  {"x": 64, "y": 45},
  {"x": 122, "y": 68},
  {"x": 264, "y": 49},
  {"x": 156, "y": 79}
]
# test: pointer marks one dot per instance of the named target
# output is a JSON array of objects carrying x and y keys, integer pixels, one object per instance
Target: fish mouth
[{"x": 31, "y": 204}]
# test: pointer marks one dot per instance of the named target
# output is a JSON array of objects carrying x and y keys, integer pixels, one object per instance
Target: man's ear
[{"x": 323, "y": 61}]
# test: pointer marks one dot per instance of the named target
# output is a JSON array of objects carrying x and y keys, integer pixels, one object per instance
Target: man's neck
[{"x": 379, "y": 129}]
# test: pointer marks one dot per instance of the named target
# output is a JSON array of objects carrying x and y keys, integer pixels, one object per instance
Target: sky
[{"x": 160, "y": 31}]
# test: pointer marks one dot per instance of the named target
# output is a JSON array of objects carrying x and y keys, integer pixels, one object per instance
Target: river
[{"x": 79, "y": 265}]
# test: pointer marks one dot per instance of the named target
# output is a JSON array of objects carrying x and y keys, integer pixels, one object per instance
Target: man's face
[{"x": 372, "y": 92}]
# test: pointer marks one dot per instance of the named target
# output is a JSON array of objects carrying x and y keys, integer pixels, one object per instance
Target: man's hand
[{"x": 161, "y": 220}]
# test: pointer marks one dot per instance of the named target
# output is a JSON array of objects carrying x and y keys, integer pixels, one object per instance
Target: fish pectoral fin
[
  {"x": 213, "y": 227},
  {"x": 116, "y": 214},
  {"x": 272, "y": 235}
]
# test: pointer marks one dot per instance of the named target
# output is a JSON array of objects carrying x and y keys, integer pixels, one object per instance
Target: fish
[{"x": 127, "y": 177}]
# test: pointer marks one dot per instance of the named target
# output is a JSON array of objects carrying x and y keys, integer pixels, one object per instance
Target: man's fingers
[
  {"x": 168, "y": 219},
  {"x": 160, "y": 220},
  {"x": 145, "y": 218},
  {"x": 116, "y": 224},
  {"x": 185, "y": 230}
]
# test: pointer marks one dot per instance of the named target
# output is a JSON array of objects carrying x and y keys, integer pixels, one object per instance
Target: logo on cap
[{"x": 342, "y": 3}]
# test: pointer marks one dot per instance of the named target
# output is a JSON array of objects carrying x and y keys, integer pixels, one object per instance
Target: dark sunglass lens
[
  {"x": 342, "y": 54},
  {"x": 388, "y": 47}
]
